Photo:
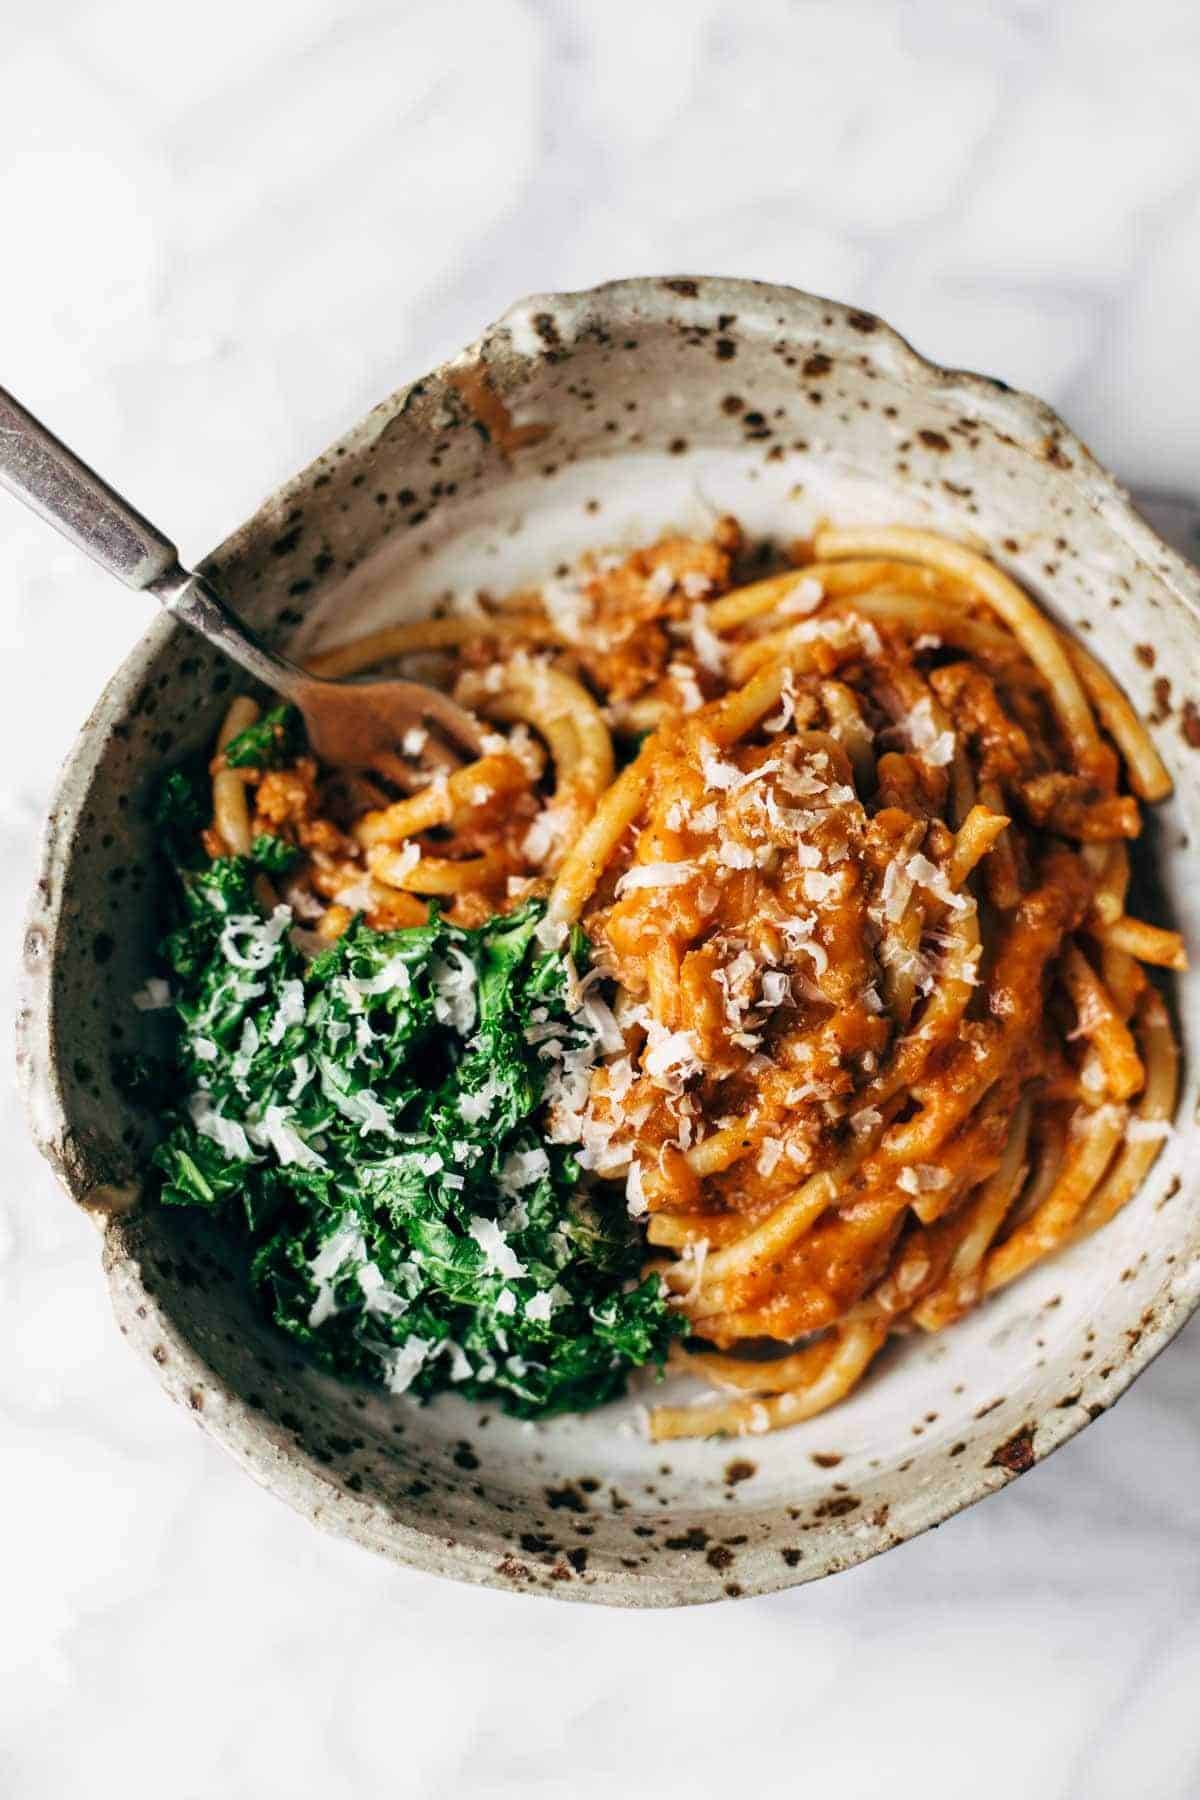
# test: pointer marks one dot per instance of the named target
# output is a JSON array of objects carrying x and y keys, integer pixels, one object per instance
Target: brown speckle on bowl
[
  {"x": 1016, "y": 1453},
  {"x": 568, "y": 1497}
]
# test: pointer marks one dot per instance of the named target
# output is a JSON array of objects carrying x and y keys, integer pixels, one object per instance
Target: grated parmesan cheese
[
  {"x": 277, "y": 1130},
  {"x": 776, "y": 988},
  {"x": 567, "y": 606},
  {"x": 402, "y": 1366},
  {"x": 895, "y": 891},
  {"x": 670, "y": 1055},
  {"x": 378, "y": 1297},
  {"x": 290, "y": 1011},
  {"x": 154, "y": 996},
  {"x": 787, "y": 706},
  {"x": 769, "y": 1156},
  {"x": 392, "y": 977},
  {"x": 522, "y": 1169},
  {"x": 226, "y": 1134},
  {"x": 798, "y": 932},
  {"x": 655, "y": 875},
  {"x": 453, "y": 982},
  {"x": 477, "y": 1106},
  {"x": 261, "y": 938},
  {"x": 818, "y": 886},
  {"x": 343, "y": 1245},
  {"x": 926, "y": 874},
  {"x": 690, "y": 697},
  {"x": 696, "y": 1254},
  {"x": 460, "y": 1362},
  {"x": 620, "y": 1078},
  {"x": 719, "y": 774},
  {"x": 710, "y": 651},
  {"x": 934, "y": 746},
  {"x": 922, "y": 1178},
  {"x": 498, "y": 1255},
  {"x": 1148, "y": 1131},
  {"x": 805, "y": 597}
]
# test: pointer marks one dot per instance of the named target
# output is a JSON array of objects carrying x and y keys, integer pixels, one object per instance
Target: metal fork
[{"x": 350, "y": 724}]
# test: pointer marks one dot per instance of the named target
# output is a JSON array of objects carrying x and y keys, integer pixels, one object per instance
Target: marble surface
[{"x": 228, "y": 230}]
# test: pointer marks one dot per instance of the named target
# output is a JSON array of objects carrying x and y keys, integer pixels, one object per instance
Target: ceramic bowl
[{"x": 600, "y": 419}]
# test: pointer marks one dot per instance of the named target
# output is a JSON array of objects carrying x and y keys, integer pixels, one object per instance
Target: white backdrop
[{"x": 225, "y": 231}]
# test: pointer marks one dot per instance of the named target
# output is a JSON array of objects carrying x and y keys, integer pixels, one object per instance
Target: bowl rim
[{"x": 269, "y": 1454}]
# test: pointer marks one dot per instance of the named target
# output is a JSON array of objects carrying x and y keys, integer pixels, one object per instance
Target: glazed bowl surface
[{"x": 600, "y": 419}]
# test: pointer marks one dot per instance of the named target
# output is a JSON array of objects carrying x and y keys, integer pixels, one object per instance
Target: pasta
[{"x": 878, "y": 1035}]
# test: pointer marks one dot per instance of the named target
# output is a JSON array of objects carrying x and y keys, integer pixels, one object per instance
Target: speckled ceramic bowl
[{"x": 605, "y": 417}]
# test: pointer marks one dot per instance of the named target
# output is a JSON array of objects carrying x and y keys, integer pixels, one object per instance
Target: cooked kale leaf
[
  {"x": 276, "y": 739},
  {"x": 178, "y": 811},
  {"x": 274, "y": 854},
  {"x": 375, "y": 1119}
]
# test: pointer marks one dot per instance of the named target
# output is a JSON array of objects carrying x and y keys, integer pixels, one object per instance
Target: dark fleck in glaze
[{"x": 1016, "y": 1454}]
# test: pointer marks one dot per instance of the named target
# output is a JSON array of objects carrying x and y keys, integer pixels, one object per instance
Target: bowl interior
[{"x": 600, "y": 420}]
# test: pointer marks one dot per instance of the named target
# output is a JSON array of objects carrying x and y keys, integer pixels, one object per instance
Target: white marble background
[{"x": 225, "y": 230}]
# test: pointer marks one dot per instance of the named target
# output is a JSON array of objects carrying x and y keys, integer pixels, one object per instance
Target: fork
[{"x": 350, "y": 724}]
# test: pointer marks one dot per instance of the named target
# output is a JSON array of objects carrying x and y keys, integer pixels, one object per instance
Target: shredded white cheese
[
  {"x": 567, "y": 606},
  {"x": 473, "y": 1107},
  {"x": 522, "y": 1169},
  {"x": 922, "y": 1178},
  {"x": 227, "y": 1134},
  {"x": 378, "y": 1297},
  {"x": 1148, "y": 1131},
  {"x": 671, "y": 1055},
  {"x": 718, "y": 773},
  {"x": 499, "y": 1257},
  {"x": 276, "y": 1129},
  {"x": 710, "y": 651},
  {"x": 935, "y": 881},
  {"x": 259, "y": 938},
  {"x": 154, "y": 996},
  {"x": 684, "y": 676},
  {"x": 402, "y": 1366},
  {"x": 394, "y": 974},
  {"x": 655, "y": 875},
  {"x": 934, "y": 746},
  {"x": 453, "y": 982},
  {"x": 290, "y": 1011}
]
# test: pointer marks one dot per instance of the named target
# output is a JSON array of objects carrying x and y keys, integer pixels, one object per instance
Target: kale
[
  {"x": 372, "y": 1122},
  {"x": 274, "y": 854},
  {"x": 179, "y": 810},
  {"x": 274, "y": 741}
]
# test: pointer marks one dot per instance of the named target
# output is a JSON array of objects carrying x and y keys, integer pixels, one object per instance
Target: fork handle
[{"x": 39, "y": 469}]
